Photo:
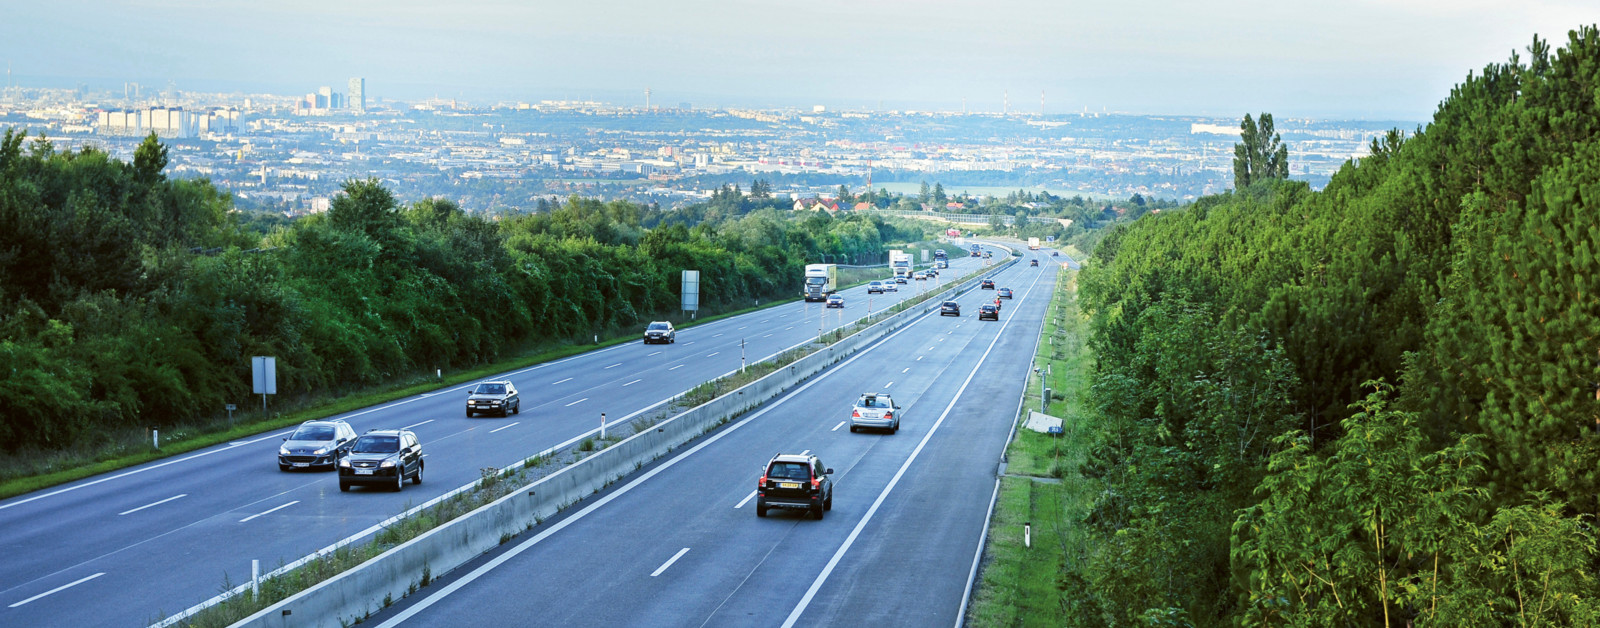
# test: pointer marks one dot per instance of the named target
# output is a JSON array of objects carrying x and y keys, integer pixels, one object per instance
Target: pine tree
[{"x": 1260, "y": 155}]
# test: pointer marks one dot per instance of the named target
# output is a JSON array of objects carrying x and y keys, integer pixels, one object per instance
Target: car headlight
[
  {"x": 345, "y": 463},
  {"x": 387, "y": 463},
  {"x": 320, "y": 451},
  {"x": 283, "y": 451}
]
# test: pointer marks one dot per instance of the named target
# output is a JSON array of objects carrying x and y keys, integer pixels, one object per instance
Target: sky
[{"x": 1347, "y": 59}]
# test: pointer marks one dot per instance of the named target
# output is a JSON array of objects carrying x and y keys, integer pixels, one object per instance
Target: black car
[
  {"x": 950, "y": 308},
  {"x": 987, "y": 284},
  {"x": 382, "y": 458},
  {"x": 795, "y": 481},
  {"x": 900, "y": 279},
  {"x": 1004, "y": 293},
  {"x": 494, "y": 397},
  {"x": 1033, "y": 262},
  {"x": 989, "y": 311},
  {"x": 660, "y": 332},
  {"x": 315, "y": 444}
]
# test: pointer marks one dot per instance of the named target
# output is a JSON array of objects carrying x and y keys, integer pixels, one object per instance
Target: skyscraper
[{"x": 358, "y": 95}]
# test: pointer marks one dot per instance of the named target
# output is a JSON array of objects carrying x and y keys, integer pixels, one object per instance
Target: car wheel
[
  {"x": 852, "y": 429},
  {"x": 761, "y": 508},
  {"x": 283, "y": 467},
  {"x": 344, "y": 487},
  {"x": 517, "y": 409},
  {"x": 827, "y": 504},
  {"x": 817, "y": 510},
  {"x": 417, "y": 478},
  {"x": 469, "y": 414},
  {"x": 399, "y": 480}
]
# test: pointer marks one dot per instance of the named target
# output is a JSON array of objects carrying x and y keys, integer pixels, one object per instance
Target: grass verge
[{"x": 1022, "y": 579}]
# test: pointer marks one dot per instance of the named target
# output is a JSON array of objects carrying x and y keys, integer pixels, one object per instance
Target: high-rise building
[{"x": 358, "y": 95}]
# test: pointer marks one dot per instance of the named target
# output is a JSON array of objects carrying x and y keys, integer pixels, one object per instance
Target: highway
[
  {"x": 132, "y": 546},
  {"x": 678, "y": 543}
]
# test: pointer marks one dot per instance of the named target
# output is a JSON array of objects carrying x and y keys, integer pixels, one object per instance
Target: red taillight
[
  {"x": 815, "y": 484},
  {"x": 888, "y": 415},
  {"x": 855, "y": 414},
  {"x": 762, "y": 481}
]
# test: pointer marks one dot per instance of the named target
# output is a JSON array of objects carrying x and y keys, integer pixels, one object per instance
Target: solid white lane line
[
  {"x": 561, "y": 381},
  {"x": 676, "y": 367},
  {"x": 886, "y": 386},
  {"x": 417, "y": 424},
  {"x": 129, "y": 512},
  {"x": 669, "y": 562},
  {"x": 633, "y": 382},
  {"x": 577, "y": 402},
  {"x": 656, "y": 353},
  {"x": 467, "y": 579},
  {"x": 905, "y": 369},
  {"x": 713, "y": 354},
  {"x": 746, "y": 499},
  {"x": 850, "y": 540},
  {"x": 836, "y": 427},
  {"x": 613, "y": 366},
  {"x": 268, "y": 512},
  {"x": 507, "y": 427},
  {"x": 58, "y": 589}
]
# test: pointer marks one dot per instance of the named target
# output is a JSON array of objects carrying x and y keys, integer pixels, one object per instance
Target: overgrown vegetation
[{"x": 1370, "y": 405}]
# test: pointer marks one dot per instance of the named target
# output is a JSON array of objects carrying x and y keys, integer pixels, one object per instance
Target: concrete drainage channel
[{"x": 393, "y": 574}]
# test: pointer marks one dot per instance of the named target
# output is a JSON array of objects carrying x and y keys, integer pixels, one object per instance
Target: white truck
[
  {"x": 900, "y": 263},
  {"x": 1033, "y": 244},
  {"x": 821, "y": 281}
]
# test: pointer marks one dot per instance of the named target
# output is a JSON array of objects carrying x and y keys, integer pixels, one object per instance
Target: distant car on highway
[
  {"x": 900, "y": 279},
  {"x": 987, "y": 284},
  {"x": 889, "y": 286},
  {"x": 795, "y": 481},
  {"x": 835, "y": 300},
  {"x": 920, "y": 275},
  {"x": 875, "y": 287},
  {"x": 1033, "y": 262},
  {"x": 989, "y": 311},
  {"x": 660, "y": 332},
  {"x": 494, "y": 397},
  {"x": 1003, "y": 293},
  {"x": 382, "y": 458},
  {"x": 315, "y": 444},
  {"x": 1055, "y": 254},
  {"x": 949, "y": 308},
  {"x": 875, "y": 411}
]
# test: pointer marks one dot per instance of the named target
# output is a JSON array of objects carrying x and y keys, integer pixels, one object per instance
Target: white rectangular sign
[
  {"x": 264, "y": 374},
  {"x": 691, "y": 290}
]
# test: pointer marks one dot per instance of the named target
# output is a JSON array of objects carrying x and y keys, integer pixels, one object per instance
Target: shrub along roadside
[{"x": 1021, "y": 585}]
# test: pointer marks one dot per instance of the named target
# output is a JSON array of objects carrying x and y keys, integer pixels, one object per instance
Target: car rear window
[
  {"x": 376, "y": 445},
  {"x": 874, "y": 402},
  {"x": 789, "y": 471},
  {"x": 313, "y": 432},
  {"x": 490, "y": 389}
]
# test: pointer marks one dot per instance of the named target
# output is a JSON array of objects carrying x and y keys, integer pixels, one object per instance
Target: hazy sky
[{"x": 1376, "y": 59}]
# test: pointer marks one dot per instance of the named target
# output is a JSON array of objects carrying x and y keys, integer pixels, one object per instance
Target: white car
[
  {"x": 875, "y": 411},
  {"x": 875, "y": 287},
  {"x": 890, "y": 286}
]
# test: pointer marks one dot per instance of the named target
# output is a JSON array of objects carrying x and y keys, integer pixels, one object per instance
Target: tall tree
[{"x": 1260, "y": 155}]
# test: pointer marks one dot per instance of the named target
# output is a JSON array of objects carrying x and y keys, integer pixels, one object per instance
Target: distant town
[{"x": 291, "y": 154}]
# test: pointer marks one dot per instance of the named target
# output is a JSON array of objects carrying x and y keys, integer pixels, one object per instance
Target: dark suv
[
  {"x": 989, "y": 311},
  {"x": 315, "y": 444},
  {"x": 382, "y": 458},
  {"x": 660, "y": 332},
  {"x": 795, "y": 481},
  {"x": 987, "y": 284},
  {"x": 494, "y": 397},
  {"x": 950, "y": 308}
]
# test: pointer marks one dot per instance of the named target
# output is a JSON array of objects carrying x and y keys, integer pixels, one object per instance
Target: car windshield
[
  {"x": 788, "y": 471},
  {"x": 490, "y": 389},
  {"x": 658, "y": 326},
  {"x": 876, "y": 283},
  {"x": 313, "y": 432},
  {"x": 376, "y": 445}
]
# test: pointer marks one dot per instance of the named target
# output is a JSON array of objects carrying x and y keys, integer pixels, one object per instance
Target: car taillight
[
  {"x": 888, "y": 415},
  {"x": 762, "y": 482},
  {"x": 855, "y": 414},
  {"x": 815, "y": 484}
]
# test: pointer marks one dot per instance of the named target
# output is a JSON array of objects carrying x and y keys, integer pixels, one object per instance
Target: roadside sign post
[
  {"x": 741, "y": 355},
  {"x": 602, "y": 426},
  {"x": 691, "y": 292},
  {"x": 264, "y": 377},
  {"x": 230, "y": 408}
]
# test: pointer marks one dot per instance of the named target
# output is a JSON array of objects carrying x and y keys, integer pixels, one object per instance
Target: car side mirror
[
  {"x": 828, "y": 472},
  {"x": 342, "y": 440},
  {"x": 286, "y": 439}
]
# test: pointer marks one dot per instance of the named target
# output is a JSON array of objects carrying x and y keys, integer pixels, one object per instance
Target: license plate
[
  {"x": 789, "y": 484},
  {"x": 363, "y": 471},
  {"x": 302, "y": 464}
]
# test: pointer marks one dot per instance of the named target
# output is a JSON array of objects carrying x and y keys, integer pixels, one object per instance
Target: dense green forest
[
  {"x": 1377, "y": 404},
  {"x": 129, "y": 299}
]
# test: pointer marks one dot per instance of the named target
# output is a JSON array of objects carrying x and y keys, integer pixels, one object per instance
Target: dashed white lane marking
[
  {"x": 561, "y": 381},
  {"x": 613, "y": 366},
  {"x": 767, "y": 336},
  {"x": 688, "y": 343},
  {"x": 129, "y": 512},
  {"x": 836, "y": 427},
  {"x": 507, "y": 427},
  {"x": 58, "y": 589},
  {"x": 633, "y": 382},
  {"x": 919, "y": 358},
  {"x": 676, "y": 367},
  {"x": 719, "y": 335},
  {"x": 656, "y": 353},
  {"x": 746, "y": 499},
  {"x": 577, "y": 402},
  {"x": 905, "y": 369},
  {"x": 886, "y": 386},
  {"x": 741, "y": 328},
  {"x": 268, "y": 512},
  {"x": 669, "y": 562},
  {"x": 713, "y": 354},
  {"x": 788, "y": 328},
  {"x": 941, "y": 340},
  {"x": 417, "y": 424},
  {"x": 930, "y": 348}
]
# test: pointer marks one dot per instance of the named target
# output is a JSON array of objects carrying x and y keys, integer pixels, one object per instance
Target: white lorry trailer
[
  {"x": 1033, "y": 244},
  {"x": 900, "y": 263},
  {"x": 821, "y": 281}
]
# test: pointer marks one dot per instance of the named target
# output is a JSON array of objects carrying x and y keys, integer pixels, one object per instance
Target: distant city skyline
[{"x": 1365, "y": 59}]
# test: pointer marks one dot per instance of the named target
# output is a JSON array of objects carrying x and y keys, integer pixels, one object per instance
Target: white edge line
[
  {"x": 850, "y": 540},
  {"x": 268, "y": 512},
  {"x": 746, "y": 499},
  {"x": 129, "y": 512},
  {"x": 507, "y": 427},
  {"x": 60, "y": 588},
  {"x": 669, "y": 562}
]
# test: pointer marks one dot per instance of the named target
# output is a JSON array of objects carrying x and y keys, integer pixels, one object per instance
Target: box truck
[{"x": 821, "y": 281}]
